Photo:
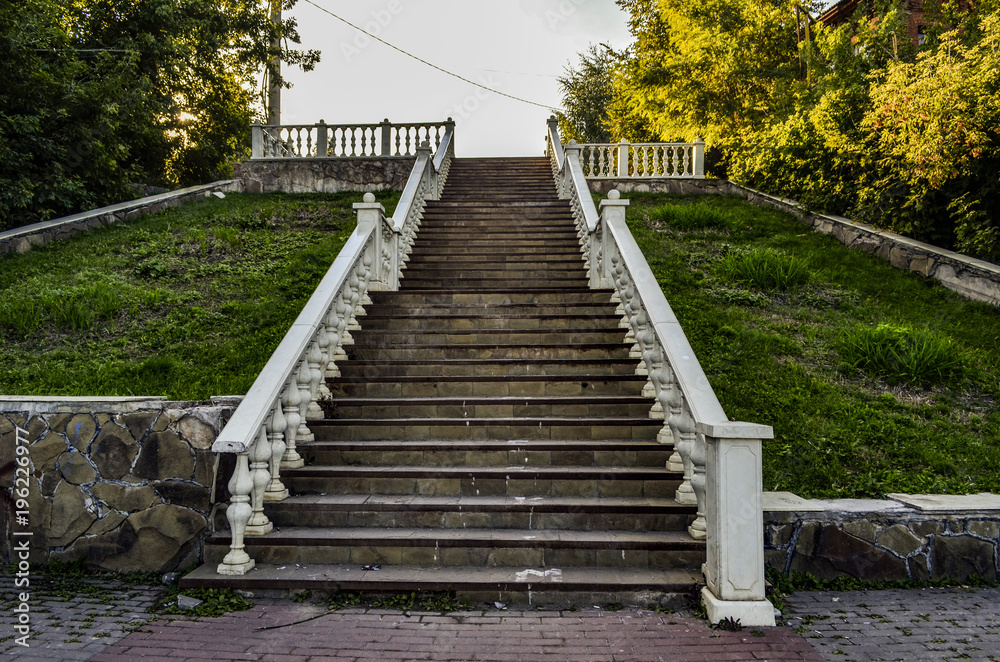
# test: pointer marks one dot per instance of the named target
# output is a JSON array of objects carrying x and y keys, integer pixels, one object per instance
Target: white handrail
[
  {"x": 721, "y": 460},
  {"x": 273, "y": 417}
]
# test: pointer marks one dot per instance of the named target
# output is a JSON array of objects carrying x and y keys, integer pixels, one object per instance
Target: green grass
[
  {"x": 875, "y": 380},
  {"x": 188, "y": 303}
]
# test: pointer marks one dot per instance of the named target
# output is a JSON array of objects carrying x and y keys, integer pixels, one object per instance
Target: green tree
[
  {"x": 100, "y": 95},
  {"x": 586, "y": 94}
]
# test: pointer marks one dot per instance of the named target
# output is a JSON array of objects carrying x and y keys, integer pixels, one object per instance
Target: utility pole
[{"x": 274, "y": 72}]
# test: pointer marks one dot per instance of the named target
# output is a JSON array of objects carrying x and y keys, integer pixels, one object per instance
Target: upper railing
[
  {"x": 720, "y": 459},
  {"x": 274, "y": 416},
  {"x": 322, "y": 140},
  {"x": 643, "y": 160}
]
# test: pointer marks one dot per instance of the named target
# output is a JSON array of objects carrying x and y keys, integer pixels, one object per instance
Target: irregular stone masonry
[
  {"x": 125, "y": 483},
  {"x": 23, "y": 239},
  {"x": 894, "y": 543},
  {"x": 332, "y": 175}
]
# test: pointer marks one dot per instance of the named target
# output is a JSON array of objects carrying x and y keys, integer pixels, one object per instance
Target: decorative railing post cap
[
  {"x": 369, "y": 203},
  {"x": 614, "y": 199},
  {"x": 699, "y": 140},
  {"x": 736, "y": 430}
]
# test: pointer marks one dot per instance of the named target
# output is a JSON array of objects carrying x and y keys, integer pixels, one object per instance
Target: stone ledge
[
  {"x": 23, "y": 239},
  {"x": 971, "y": 277},
  {"x": 909, "y": 536}
]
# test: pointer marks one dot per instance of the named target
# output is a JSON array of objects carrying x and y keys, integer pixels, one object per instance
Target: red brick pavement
[{"x": 373, "y": 635}]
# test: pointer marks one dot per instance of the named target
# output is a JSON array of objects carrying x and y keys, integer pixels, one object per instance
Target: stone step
[
  {"x": 525, "y": 481},
  {"x": 466, "y": 296},
  {"x": 486, "y": 367},
  {"x": 559, "y": 337},
  {"x": 450, "y": 273},
  {"x": 466, "y": 252},
  {"x": 439, "y": 352},
  {"x": 481, "y": 407},
  {"x": 487, "y": 322},
  {"x": 475, "y": 583},
  {"x": 493, "y": 261},
  {"x": 519, "y": 452},
  {"x": 398, "y": 386},
  {"x": 487, "y": 548},
  {"x": 538, "y": 427},
  {"x": 575, "y": 513},
  {"x": 375, "y": 311}
]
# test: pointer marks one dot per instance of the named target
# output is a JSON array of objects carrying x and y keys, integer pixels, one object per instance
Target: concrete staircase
[{"x": 488, "y": 433}]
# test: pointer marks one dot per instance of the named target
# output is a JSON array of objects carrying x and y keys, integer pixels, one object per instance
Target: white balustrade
[
  {"x": 720, "y": 459},
  {"x": 643, "y": 160},
  {"x": 322, "y": 140},
  {"x": 272, "y": 419}
]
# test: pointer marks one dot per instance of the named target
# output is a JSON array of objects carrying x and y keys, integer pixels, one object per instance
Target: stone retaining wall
[
  {"x": 332, "y": 175},
  {"x": 21, "y": 240},
  {"x": 915, "y": 537},
  {"x": 976, "y": 279},
  {"x": 126, "y": 483}
]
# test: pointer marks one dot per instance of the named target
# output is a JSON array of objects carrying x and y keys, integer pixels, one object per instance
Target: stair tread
[
  {"x": 460, "y": 578},
  {"x": 423, "y": 537},
  {"x": 468, "y": 503},
  {"x": 515, "y": 472},
  {"x": 486, "y": 445}
]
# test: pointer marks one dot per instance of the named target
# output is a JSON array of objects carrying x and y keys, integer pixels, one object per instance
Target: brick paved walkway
[
  {"x": 74, "y": 628},
  {"x": 928, "y": 624},
  {"x": 370, "y": 635}
]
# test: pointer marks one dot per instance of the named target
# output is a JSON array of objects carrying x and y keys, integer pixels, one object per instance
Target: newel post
[
  {"x": 622, "y": 166},
  {"x": 386, "y": 137},
  {"x": 256, "y": 141},
  {"x": 612, "y": 210},
  {"x": 321, "y": 140},
  {"x": 734, "y": 572},
  {"x": 370, "y": 215},
  {"x": 699, "y": 159}
]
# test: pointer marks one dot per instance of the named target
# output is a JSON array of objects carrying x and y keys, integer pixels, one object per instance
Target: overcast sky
[{"x": 516, "y": 46}]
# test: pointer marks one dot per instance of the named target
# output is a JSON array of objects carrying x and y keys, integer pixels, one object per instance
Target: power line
[{"x": 433, "y": 66}]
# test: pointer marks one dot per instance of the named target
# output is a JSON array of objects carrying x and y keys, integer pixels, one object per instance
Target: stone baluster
[
  {"x": 276, "y": 425},
  {"x": 325, "y": 339},
  {"x": 655, "y": 360},
  {"x": 304, "y": 434},
  {"x": 683, "y": 426},
  {"x": 344, "y": 321},
  {"x": 671, "y": 403},
  {"x": 314, "y": 358},
  {"x": 260, "y": 459},
  {"x": 290, "y": 407},
  {"x": 698, "y": 526},
  {"x": 237, "y": 561}
]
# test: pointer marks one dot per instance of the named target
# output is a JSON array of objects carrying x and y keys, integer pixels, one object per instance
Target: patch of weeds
[
  {"x": 344, "y": 600},
  {"x": 214, "y": 602},
  {"x": 613, "y": 606},
  {"x": 443, "y": 601},
  {"x": 302, "y": 596},
  {"x": 739, "y": 297},
  {"x": 688, "y": 217},
  {"x": 758, "y": 633},
  {"x": 402, "y": 601},
  {"x": 763, "y": 268},
  {"x": 729, "y": 624},
  {"x": 657, "y": 608},
  {"x": 902, "y": 355}
]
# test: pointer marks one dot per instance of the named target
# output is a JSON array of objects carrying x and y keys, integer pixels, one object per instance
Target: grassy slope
[
  {"x": 774, "y": 356},
  {"x": 191, "y": 302},
  {"x": 188, "y": 303}
]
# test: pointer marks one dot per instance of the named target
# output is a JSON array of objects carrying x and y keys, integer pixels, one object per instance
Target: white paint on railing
[
  {"x": 626, "y": 160},
  {"x": 274, "y": 415},
  {"x": 322, "y": 140},
  {"x": 720, "y": 459}
]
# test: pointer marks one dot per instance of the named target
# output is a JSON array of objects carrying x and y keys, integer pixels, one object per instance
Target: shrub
[
  {"x": 765, "y": 269},
  {"x": 689, "y": 217},
  {"x": 902, "y": 355}
]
